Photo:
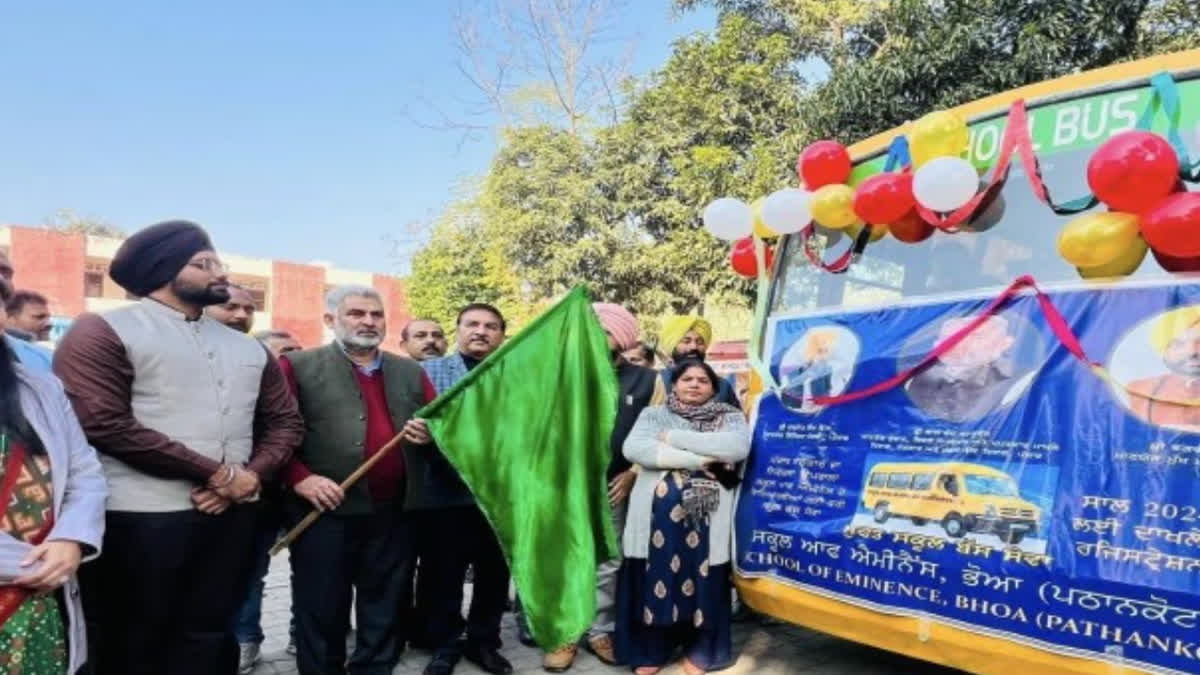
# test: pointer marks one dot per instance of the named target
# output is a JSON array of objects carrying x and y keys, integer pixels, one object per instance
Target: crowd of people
[{"x": 149, "y": 463}]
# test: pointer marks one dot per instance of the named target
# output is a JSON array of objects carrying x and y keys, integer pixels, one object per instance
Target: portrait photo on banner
[
  {"x": 1155, "y": 370},
  {"x": 820, "y": 363},
  {"x": 990, "y": 369}
]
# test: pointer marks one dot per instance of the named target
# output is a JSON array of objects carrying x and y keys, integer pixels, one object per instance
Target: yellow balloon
[
  {"x": 938, "y": 134},
  {"x": 1096, "y": 239},
  {"x": 833, "y": 206},
  {"x": 760, "y": 228},
  {"x": 1122, "y": 266},
  {"x": 877, "y": 232}
]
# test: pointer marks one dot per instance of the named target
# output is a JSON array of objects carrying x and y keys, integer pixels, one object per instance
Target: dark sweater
[{"x": 637, "y": 388}]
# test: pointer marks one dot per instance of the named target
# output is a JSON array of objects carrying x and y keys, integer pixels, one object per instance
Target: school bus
[
  {"x": 962, "y": 497},
  {"x": 1069, "y": 117}
]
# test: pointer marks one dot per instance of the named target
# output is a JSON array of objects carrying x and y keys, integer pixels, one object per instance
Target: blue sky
[{"x": 280, "y": 126}]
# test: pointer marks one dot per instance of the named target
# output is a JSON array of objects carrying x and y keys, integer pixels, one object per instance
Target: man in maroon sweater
[{"x": 354, "y": 399}]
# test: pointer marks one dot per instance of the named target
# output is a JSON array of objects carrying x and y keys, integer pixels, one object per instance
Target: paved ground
[{"x": 763, "y": 649}]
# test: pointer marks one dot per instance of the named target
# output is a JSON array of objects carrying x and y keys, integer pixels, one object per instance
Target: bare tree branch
[{"x": 510, "y": 50}]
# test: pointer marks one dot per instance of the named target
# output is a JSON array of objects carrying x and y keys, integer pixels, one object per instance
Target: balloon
[
  {"x": 883, "y": 198},
  {"x": 1173, "y": 227},
  {"x": 1096, "y": 239},
  {"x": 1133, "y": 171},
  {"x": 1176, "y": 264},
  {"x": 1121, "y": 266},
  {"x": 877, "y": 232},
  {"x": 833, "y": 206},
  {"x": 823, "y": 163},
  {"x": 744, "y": 261},
  {"x": 945, "y": 184},
  {"x": 911, "y": 228},
  {"x": 729, "y": 219},
  {"x": 787, "y": 211},
  {"x": 760, "y": 228},
  {"x": 938, "y": 134}
]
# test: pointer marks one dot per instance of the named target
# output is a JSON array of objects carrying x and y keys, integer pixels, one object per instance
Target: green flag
[{"x": 528, "y": 430}]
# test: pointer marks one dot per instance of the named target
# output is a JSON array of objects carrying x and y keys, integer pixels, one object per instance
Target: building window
[
  {"x": 93, "y": 285},
  {"x": 93, "y": 278}
]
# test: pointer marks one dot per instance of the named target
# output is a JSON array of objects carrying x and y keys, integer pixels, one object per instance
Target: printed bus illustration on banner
[
  {"x": 962, "y": 497},
  {"x": 977, "y": 425}
]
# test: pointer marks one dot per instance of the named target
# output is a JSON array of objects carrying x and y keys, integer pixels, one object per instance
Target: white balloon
[
  {"x": 787, "y": 211},
  {"x": 945, "y": 183},
  {"x": 729, "y": 219}
]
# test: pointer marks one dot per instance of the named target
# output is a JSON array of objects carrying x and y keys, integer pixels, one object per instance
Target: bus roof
[
  {"x": 937, "y": 467},
  {"x": 998, "y": 103}
]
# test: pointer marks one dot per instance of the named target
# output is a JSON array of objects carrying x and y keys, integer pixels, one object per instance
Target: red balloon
[
  {"x": 1133, "y": 170},
  {"x": 1176, "y": 264},
  {"x": 823, "y": 163},
  {"x": 911, "y": 228},
  {"x": 884, "y": 198},
  {"x": 743, "y": 260},
  {"x": 1173, "y": 226}
]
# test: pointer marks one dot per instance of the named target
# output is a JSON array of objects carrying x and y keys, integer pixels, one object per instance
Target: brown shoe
[
  {"x": 602, "y": 647},
  {"x": 560, "y": 660}
]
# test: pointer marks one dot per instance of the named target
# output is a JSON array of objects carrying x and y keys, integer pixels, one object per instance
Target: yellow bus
[
  {"x": 1069, "y": 118},
  {"x": 962, "y": 497}
]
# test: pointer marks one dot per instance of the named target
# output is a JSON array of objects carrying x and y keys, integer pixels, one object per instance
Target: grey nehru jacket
[{"x": 180, "y": 398}]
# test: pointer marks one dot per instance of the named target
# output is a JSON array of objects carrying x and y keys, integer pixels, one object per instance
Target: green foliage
[
  {"x": 617, "y": 206},
  {"x": 894, "y": 60}
]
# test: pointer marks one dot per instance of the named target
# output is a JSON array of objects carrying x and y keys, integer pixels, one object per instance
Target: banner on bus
[{"x": 1006, "y": 487}]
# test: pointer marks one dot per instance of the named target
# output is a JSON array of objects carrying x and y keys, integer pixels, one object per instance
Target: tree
[
  {"x": 618, "y": 206},
  {"x": 720, "y": 118},
  {"x": 463, "y": 263},
  {"x": 894, "y": 60},
  {"x": 67, "y": 220},
  {"x": 535, "y": 62},
  {"x": 620, "y": 211}
]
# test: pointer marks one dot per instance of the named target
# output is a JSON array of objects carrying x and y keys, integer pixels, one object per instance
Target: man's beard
[
  {"x": 240, "y": 325},
  {"x": 430, "y": 349},
  {"x": 201, "y": 296},
  {"x": 678, "y": 356},
  {"x": 354, "y": 341}
]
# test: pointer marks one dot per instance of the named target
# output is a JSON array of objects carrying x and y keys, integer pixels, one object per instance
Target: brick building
[{"x": 71, "y": 270}]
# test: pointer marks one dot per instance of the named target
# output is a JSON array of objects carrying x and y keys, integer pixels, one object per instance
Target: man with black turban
[{"x": 189, "y": 419}]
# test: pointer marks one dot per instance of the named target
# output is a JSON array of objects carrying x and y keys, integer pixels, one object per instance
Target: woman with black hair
[
  {"x": 673, "y": 589},
  {"x": 52, "y": 495}
]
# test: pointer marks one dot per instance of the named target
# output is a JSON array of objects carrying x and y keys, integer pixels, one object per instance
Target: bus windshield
[
  {"x": 1014, "y": 236},
  {"x": 991, "y": 485}
]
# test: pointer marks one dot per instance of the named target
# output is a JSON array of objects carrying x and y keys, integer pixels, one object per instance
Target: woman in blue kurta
[{"x": 673, "y": 590}]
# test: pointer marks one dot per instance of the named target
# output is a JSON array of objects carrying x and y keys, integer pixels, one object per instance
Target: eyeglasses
[{"x": 210, "y": 265}]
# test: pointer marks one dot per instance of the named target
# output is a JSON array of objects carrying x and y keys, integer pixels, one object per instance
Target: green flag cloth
[{"x": 528, "y": 431}]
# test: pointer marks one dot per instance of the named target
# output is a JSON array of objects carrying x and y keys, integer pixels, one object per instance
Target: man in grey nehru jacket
[{"x": 190, "y": 418}]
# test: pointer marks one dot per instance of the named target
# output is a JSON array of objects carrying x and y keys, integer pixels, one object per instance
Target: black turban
[{"x": 151, "y": 258}]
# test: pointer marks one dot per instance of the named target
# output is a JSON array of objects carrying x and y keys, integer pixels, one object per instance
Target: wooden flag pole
[{"x": 345, "y": 485}]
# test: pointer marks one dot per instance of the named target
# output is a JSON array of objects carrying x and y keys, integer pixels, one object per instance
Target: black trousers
[
  {"x": 162, "y": 598},
  {"x": 459, "y": 537},
  {"x": 369, "y": 555},
  {"x": 415, "y": 609}
]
